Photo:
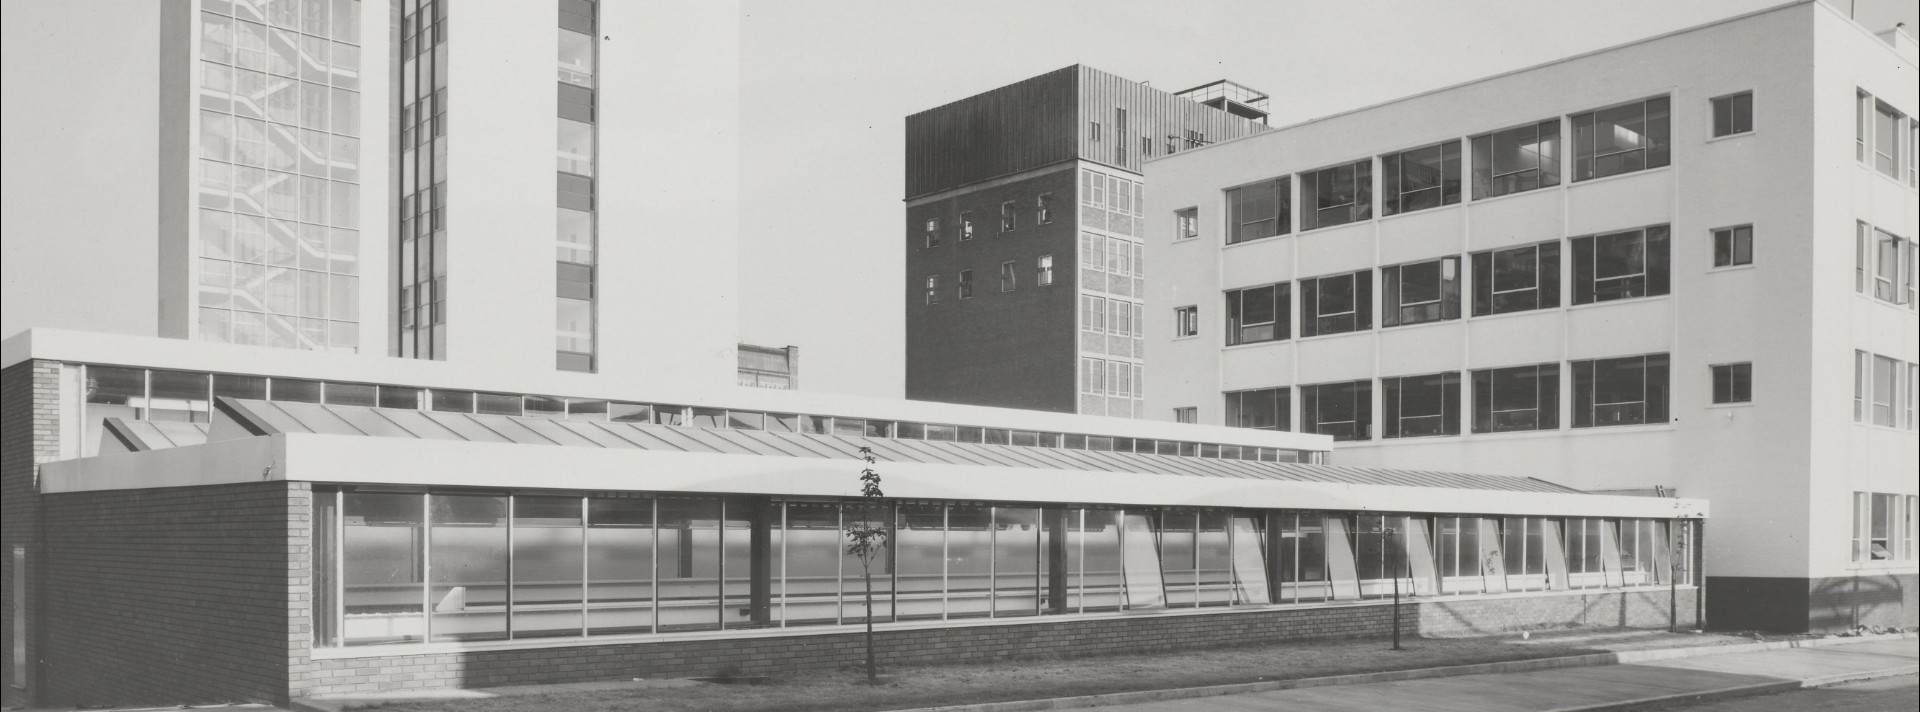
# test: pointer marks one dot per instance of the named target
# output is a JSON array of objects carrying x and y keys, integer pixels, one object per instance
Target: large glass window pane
[
  {"x": 576, "y": 58},
  {"x": 1516, "y": 160},
  {"x": 689, "y": 564},
  {"x": 1336, "y": 304},
  {"x": 1177, "y": 534},
  {"x": 178, "y": 396},
  {"x": 574, "y": 232},
  {"x": 1420, "y": 292},
  {"x": 1337, "y": 195},
  {"x": 1214, "y": 560},
  {"x": 1017, "y": 561},
  {"x": 1141, "y": 563},
  {"x": 809, "y": 570},
  {"x": 1259, "y": 210},
  {"x": 920, "y": 542},
  {"x": 969, "y": 560},
  {"x": 740, "y": 606},
  {"x": 1621, "y": 139},
  {"x": 1263, "y": 409},
  {"x": 467, "y": 567},
  {"x": 383, "y": 562},
  {"x": 1621, "y": 391},
  {"x": 1518, "y": 398},
  {"x": 1343, "y": 410},
  {"x": 548, "y": 566},
  {"x": 1259, "y": 314},
  {"x": 575, "y": 148},
  {"x": 1420, "y": 406},
  {"x": 1097, "y": 582},
  {"x": 326, "y": 572},
  {"x": 620, "y": 570}
]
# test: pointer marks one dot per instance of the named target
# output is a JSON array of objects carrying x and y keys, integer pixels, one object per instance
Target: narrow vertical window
[
  {"x": 966, "y": 284},
  {"x": 1862, "y": 376},
  {"x": 930, "y": 233},
  {"x": 966, "y": 226},
  {"x": 1007, "y": 217},
  {"x": 1862, "y": 104},
  {"x": 1007, "y": 277},
  {"x": 1733, "y": 246},
  {"x": 1043, "y": 207},
  {"x": 1733, "y": 114},
  {"x": 1043, "y": 269},
  {"x": 933, "y": 289},
  {"x": 1886, "y": 140}
]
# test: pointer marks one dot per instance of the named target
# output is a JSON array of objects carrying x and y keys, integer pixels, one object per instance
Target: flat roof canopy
[{"x": 252, "y": 441}]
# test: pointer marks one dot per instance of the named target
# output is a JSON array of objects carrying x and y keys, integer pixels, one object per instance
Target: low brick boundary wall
[{"x": 787, "y": 654}]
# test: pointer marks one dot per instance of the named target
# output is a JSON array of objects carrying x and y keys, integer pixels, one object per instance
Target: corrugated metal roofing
[{"x": 269, "y": 417}]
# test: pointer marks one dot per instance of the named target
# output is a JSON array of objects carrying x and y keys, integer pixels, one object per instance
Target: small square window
[
  {"x": 1733, "y": 246},
  {"x": 1186, "y": 223},
  {"x": 1188, "y": 414},
  {"x": 1186, "y": 321},
  {"x": 1733, "y": 114},
  {"x": 1733, "y": 383}
]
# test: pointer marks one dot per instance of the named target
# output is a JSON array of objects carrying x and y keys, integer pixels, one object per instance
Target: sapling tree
[{"x": 867, "y": 540}]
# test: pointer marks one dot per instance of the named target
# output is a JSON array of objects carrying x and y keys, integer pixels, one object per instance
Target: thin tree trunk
[{"x": 866, "y": 572}]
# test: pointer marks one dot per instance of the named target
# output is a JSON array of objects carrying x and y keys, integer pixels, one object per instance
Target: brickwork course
[{"x": 790, "y": 654}]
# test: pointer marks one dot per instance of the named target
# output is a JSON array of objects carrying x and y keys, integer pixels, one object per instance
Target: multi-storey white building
[
  {"x": 1685, "y": 263},
  {"x": 420, "y": 370}
]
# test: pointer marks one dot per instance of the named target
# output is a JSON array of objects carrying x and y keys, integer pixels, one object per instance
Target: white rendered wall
[
  {"x": 1853, "y": 457},
  {"x": 1758, "y": 463},
  {"x": 82, "y": 203},
  {"x": 665, "y": 182}
]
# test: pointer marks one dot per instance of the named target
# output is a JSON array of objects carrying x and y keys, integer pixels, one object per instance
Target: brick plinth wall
[
  {"x": 29, "y": 435},
  {"x": 799, "y": 653},
  {"x": 178, "y": 595},
  {"x": 1872, "y": 598}
]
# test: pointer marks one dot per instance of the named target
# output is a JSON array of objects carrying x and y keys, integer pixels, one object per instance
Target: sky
[{"x": 825, "y": 89}]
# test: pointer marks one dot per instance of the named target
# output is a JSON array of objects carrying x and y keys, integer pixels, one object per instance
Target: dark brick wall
[
  {"x": 1433, "y": 617},
  {"x": 1010, "y": 349},
  {"x": 29, "y": 435},
  {"x": 1840, "y": 603},
  {"x": 178, "y": 595}
]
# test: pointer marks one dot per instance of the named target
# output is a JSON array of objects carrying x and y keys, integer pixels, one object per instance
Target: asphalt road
[{"x": 1890, "y": 694}]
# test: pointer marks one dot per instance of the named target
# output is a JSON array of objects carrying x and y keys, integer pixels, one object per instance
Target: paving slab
[{"x": 1583, "y": 688}]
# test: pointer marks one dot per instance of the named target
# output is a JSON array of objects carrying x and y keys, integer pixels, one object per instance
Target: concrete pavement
[{"x": 1587, "y": 689}]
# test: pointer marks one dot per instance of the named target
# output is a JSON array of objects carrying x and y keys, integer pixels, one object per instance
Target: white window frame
[
  {"x": 1043, "y": 205},
  {"x": 933, "y": 289},
  {"x": 1009, "y": 219},
  {"x": 1043, "y": 267},
  {"x": 932, "y": 232},
  {"x": 1008, "y": 278},
  {"x": 964, "y": 284},
  {"x": 966, "y": 226}
]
